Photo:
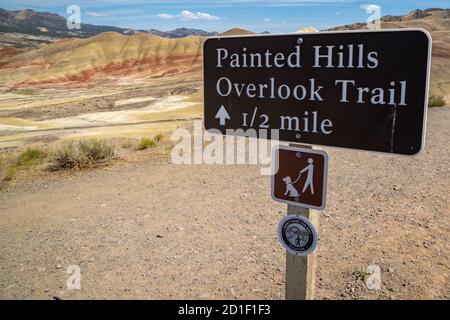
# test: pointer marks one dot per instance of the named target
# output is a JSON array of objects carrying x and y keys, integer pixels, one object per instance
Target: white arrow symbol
[{"x": 223, "y": 115}]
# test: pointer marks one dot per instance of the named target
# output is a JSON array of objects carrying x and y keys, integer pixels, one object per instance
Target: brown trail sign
[
  {"x": 300, "y": 176},
  {"x": 365, "y": 90}
]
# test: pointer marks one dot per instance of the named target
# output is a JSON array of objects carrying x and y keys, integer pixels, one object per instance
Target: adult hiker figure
[
  {"x": 291, "y": 190},
  {"x": 309, "y": 178}
]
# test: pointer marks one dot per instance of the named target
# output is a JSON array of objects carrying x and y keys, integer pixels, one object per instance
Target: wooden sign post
[{"x": 301, "y": 271}]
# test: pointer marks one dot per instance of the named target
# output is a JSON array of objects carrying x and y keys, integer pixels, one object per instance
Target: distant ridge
[
  {"x": 45, "y": 23},
  {"x": 236, "y": 31},
  {"x": 28, "y": 28},
  {"x": 181, "y": 33},
  {"x": 407, "y": 18}
]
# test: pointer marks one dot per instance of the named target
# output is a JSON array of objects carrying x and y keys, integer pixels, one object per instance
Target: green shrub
[
  {"x": 30, "y": 157},
  {"x": 82, "y": 154},
  {"x": 436, "y": 101},
  {"x": 146, "y": 143}
]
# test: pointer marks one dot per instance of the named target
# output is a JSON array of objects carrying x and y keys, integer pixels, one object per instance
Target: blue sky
[{"x": 220, "y": 15}]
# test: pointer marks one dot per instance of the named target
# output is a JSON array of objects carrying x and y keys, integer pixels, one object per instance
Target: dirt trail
[{"x": 158, "y": 230}]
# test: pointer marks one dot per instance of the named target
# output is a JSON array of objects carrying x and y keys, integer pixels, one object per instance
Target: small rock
[
  {"x": 390, "y": 269},
  {"x": 58, "y": 266},
  {"x": 46, "y": 290},
  {"x": 159, "y": 236},
  {"x": 396, "y": 188}
]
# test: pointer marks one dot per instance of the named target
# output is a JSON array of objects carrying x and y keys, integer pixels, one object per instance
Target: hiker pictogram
[
  {"x": 291, "y": 190},
  {"x": 301, "y": 177}
]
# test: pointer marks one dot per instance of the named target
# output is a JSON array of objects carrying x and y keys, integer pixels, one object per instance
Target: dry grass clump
[
  {"x": 82, "y": 154},
  {"x": 10, "y": 173},
  {"x": 26, "y": 159},
  {"x": 436, "y": 101},
  {"x": 29, "y": 157},
  {"x": 146, "y": 143}
]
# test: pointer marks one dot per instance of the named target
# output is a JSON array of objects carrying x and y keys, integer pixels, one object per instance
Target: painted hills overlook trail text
[{"x": 361, "y": 90}]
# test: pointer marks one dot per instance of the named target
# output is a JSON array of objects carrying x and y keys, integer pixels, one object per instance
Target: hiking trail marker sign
[
  {"x": 365, "y": 90},
  {"x": 297, "y": 235},
  {"x": 300, "y": 176}
]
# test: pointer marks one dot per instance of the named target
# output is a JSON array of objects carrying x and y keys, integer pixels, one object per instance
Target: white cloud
[
  {"x": 370, "y": 8},
  {"x": 165, "y": 16},
  {"x": 188, "y": 15},
  {"x": 97, "y": 15},
  {"x": 266, "y": 19}
]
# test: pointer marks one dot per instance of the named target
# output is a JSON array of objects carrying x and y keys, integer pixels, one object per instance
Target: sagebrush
[{"x": 82, "y": 154}]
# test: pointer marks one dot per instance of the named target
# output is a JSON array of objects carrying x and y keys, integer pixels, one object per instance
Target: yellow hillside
[{"x": 108, "y": 54}]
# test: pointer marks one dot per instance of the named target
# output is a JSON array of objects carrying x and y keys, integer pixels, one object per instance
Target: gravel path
[{"x": 158, "y": 230}]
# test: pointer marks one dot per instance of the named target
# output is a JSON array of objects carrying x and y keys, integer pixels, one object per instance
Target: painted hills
[
  {"x": 105, "y": 57},
  {"x": 112, "y": 56}
]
